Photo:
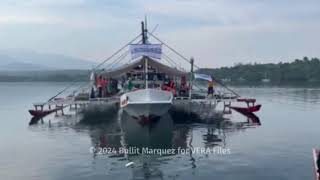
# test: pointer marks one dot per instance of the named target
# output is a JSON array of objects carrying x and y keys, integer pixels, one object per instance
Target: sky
[{"x": 215, "y": 32}]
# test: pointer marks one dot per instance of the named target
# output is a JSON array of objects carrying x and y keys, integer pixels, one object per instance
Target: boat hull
[
  {"x": 145, "y": 110},
  {"x": 146, "y": 102}
]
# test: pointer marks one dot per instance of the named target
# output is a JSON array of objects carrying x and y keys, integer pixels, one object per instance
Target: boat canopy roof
[{"x": 141, "y": 62}]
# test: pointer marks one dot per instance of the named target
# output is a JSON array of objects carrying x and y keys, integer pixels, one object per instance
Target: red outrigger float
[
  {"x": 41, "y": 113},
  {"x": 251, "y": 107},
  {"x": 247, "y": 110}
]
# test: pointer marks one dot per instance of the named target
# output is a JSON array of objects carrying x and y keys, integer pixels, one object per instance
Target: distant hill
[
  {"x": 300, "y": 71},
  {"x": 21, "y": 66},
  {"x": 18, "y": 60}
]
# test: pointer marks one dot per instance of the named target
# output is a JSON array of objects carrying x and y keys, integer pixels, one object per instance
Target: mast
[
  {"x": 143, "y": 33},
  {"x": 144, "y": 40}
]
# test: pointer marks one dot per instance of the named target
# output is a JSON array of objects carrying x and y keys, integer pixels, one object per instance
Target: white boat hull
[{"x": 146, "y": 102}]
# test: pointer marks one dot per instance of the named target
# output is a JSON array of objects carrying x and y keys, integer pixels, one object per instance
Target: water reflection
[
  {"x": 126, "y": 132},
  {"x": 114, "y": 133}
]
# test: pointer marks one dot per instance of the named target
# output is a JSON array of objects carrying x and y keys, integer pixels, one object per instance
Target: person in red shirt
[
  {"x": 183, "y": 86},
  {"x": 172, "y": 87},
  {"x": 99, "y": 86}
]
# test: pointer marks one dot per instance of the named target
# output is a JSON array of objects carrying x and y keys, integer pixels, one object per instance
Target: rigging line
[
  {"x": 178, "y": 66},
  {"x": 189, "y": 62},
  {"x": 173, "y": 65},
  {"x": 166, "y": 56},
  {"x": 121, "y": 57},
  {"x": 96, "y": 67},
  {"x": 117, "y": 60},
  {"x": 176, "y": 52},
  {"x": 169, "y": 62},
  {"x": 201, "y": 89},
  {"x": 155, "y": 28},
  {"x": 60, "y": 92},
  {"x": 117, "y": 52},
  {"x": 223, "y": 85}
]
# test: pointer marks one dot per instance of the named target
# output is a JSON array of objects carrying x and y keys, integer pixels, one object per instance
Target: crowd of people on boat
[{"x": 106, "y": 87}]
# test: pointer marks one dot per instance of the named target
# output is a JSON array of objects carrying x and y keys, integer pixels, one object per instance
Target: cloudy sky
[{"x": 215, "y": 32}]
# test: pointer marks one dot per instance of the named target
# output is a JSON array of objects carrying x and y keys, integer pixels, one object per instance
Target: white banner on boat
[
  {"x": 203, "y": 76},
  {"x": 150, "y": 50}
]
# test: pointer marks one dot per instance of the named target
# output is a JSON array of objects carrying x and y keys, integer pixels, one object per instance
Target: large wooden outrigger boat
[
  {"x": 150, "y": 94},
  {"x": 147, "y": 85}
]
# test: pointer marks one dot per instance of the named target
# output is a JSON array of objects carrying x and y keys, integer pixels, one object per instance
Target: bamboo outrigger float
[{"x": 149, "y": 87}]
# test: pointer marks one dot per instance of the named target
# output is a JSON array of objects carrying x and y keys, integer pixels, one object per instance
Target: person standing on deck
[
  {"x": 210, "y": 88},
  {"x": 130, "y": 85},
  {"x": 103, "y": 85},
  {"x": 93, "y": 85},
  {"x": 99, "y": 86},
  {"x": 109, "y": 87},
  {"x": 183, "y": 86},
  {"x": 172, "y": 87}
]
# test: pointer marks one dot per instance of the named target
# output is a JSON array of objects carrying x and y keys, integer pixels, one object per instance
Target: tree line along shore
[{"x": 304, "y": 71}]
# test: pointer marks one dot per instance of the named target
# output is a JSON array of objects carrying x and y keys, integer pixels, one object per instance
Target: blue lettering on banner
[{"x": 150, "y": 50}]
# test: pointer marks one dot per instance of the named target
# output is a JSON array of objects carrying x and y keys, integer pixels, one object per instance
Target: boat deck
[{"x": 116, "y": 99}]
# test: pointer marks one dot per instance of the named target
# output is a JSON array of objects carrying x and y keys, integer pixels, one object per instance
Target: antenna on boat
[
  {"x": 145, "y": 22},
  {"x": 144, "y": 40},
  {"x": 144, "y": 32}
]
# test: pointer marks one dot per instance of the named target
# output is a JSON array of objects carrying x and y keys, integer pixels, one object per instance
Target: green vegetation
[{"x": 298, "y": 72}]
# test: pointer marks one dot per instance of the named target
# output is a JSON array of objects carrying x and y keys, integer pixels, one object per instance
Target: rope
[
  {"x": 117, "y": 52},
  {"x": 120, "y": 58},
  {"x": 171, "y": 60},
  {"x": 123, "y": 56},
  {"x": 186, "y": 59},
  {"x": 223, "y": 85},
  {"x": 96, "y": 67},
  {"x": 117, "y": 60},
  {"x": 173, "y": 50}
]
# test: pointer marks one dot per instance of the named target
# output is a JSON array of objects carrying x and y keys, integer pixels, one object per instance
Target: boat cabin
[{"x": 158, "y": 76}]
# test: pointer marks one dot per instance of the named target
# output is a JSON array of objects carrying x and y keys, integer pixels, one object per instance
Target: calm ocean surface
[{"x": 278, "y": 149}]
